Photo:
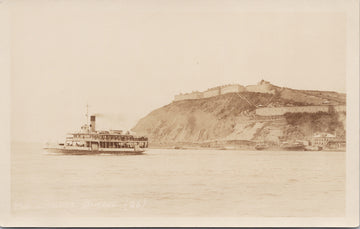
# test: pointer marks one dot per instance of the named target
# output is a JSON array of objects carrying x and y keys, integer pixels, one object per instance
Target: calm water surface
[{"x": 179, "y": 183}]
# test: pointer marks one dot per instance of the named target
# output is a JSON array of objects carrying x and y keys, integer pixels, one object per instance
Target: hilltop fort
[
  {"x": 262, "y": 87},
  {"x": 243, "y": 115},
  {"x": 270, "y": 109}
]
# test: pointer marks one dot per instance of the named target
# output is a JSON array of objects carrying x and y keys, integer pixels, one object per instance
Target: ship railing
[{"x": 106, "y": 140}]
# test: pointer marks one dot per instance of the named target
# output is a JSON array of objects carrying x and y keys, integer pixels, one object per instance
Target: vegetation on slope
[{"x": 306, "y": 124}]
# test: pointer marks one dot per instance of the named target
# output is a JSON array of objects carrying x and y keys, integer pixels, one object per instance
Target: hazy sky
[{"x": 126, "y": 58}]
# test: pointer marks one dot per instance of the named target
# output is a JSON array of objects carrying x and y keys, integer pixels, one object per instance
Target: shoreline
[{"x": 224, "y": 148}]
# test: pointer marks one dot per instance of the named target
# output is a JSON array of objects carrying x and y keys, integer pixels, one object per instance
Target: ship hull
[
  {"x": 69, "y": 151},
  {"x": 261, "y": 147},
  {"x": 293, "y": 148}
]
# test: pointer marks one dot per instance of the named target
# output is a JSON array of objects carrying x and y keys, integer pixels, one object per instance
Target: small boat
[
  {"x": 297, "y": 146},
  {"x": 261, "y": 146},
  {"x": 313, "y": 148}
]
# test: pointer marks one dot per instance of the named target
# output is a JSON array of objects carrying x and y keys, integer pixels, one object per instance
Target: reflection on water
[{"x": 178, "y": 183}]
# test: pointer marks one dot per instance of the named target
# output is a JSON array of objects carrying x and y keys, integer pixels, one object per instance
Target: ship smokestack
[{"x": 92, "y": 123}]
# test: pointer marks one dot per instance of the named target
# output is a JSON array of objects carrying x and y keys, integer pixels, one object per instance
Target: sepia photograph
[{"x": 180, "y": 113}]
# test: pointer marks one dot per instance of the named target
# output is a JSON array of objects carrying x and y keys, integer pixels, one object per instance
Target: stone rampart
[
  {"x": 340, "y": 108},
  {"x": 211, "y": 92},
  {"x": 231, "y": 89},
  {"x": 193, "y": 95},
  {"x": 276, "y": 111},
  {"x": 263, "y": 88}
]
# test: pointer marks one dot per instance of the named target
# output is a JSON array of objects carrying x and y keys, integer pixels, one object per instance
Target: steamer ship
[{"x": 90, "y": 141}]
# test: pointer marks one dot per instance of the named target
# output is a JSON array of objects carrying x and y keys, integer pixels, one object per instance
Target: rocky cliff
[{"x": 231, "y": 118}]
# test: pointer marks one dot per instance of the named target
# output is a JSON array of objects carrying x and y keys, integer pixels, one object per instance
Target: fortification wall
[
  {"x": 231, "y": 89},
  {"x": 267, "y": 111},
  {"x": 179, "y": 97},
  {"x": 193, "y": 95},
  {"x": 262, "y": 88},
  {"x": 211, "y": 93},
  {"x": 340, "y": 108}
]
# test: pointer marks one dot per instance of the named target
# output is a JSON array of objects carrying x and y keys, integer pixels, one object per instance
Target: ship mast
[{"x": 87, "y": 115}]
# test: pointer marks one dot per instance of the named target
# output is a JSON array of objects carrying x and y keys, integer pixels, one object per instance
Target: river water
[{"x": 178, "y": 183}]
